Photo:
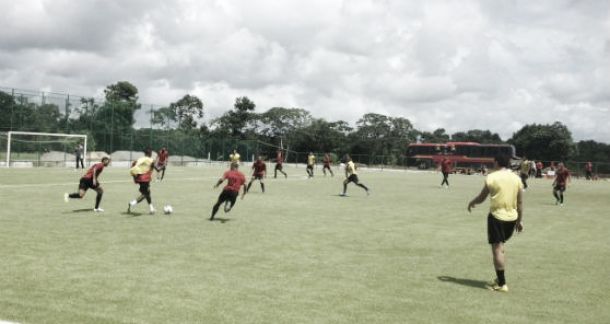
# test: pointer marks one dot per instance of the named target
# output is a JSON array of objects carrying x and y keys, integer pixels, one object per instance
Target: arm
[
  {"x": 220, "y": 181},
  {"x": 478, "y": 199},
  {"x": 94, "y": 178},
  {"x": 519, "y": 226},
  {"x": 244, "y": 192}
]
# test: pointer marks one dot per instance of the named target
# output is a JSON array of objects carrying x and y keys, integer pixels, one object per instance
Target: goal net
[{"x": 32, "y": 149}]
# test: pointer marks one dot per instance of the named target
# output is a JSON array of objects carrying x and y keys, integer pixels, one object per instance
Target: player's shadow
[
  {"x": 220, "y": 219},
  {"x": 464, "y": 282},
  {"x": 132, "y": 214},
  {"x": 83, "y": 210}
]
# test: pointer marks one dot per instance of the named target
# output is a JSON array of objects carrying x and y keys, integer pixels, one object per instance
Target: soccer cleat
[
  {"x": 498, "y": 288},
  {"x": 151, "y": 210},
  {"x": 66, "y": 197},
  {"x": 98, "y": 210},
  {"x": 343, "y": 194},
  {"x": 129, "y": 205}
]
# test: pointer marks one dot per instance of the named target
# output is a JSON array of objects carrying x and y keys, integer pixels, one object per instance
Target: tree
[
  {"x": 279, "y": 122},
  {"x": 544, "y": 142},
  {"x": 438, "y": 136},
  {"x": 477, "y": 135},
  {"x": 234, "y": 122},
  {"x": 7, "y": 106},
  {"x": 185, "y": 112}
]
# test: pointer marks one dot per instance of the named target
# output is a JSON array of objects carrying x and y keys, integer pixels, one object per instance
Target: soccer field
[{"x": 409, "y": 253}]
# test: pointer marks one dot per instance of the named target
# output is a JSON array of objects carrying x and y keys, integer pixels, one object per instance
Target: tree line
[{"x": 111, "y": 126}]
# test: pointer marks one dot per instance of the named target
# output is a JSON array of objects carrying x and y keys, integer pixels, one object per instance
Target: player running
[
  {"x": 141, "y": 172},
  {"x": 524, "y": 171},
  {"x": 505, "y": 214},
  {"x": 279, "y": 160},
  {"x": 562, "y": 175},
  {"x": 589, "y": 171},
  {"x": 327, "y": 162},
  {"x": 311, "y": 161},
  {"x": 230, "y": 192},
  {"x": 90, "y": 180},
  {"x": 260, "y": 172},
  {"x": 161, "y": 163},
  {"x": 351, "y": 176},
  {"x": 446, "y": 166}
]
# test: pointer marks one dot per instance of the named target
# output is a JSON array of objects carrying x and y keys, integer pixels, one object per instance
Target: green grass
[{"x": 409, "y": 253}]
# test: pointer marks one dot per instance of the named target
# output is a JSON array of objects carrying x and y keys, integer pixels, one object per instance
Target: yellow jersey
[
  {"x": 143, "y": 165},
  {"x": 350, "y": 168},
  {"x": 234, "y": 157},
  {"x": 311, "y": 159},
  {"x": 525, "y": 166},
  {"x": 503, "y": 186}
]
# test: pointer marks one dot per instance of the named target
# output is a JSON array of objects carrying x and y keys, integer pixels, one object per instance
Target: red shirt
[
  {"x": 96, "y": 168},
  {"x": 163, "y": 155},
  {"x": 562, "y": 176},
  {"x": 259, "y": 167},
  {"x": 279, "y": 158},
  {"x": 236, "y": 180},
  {"x": 446, "y": 165},
  {"x": 589, "y": 166},
  {"x": 327, "y": 159}
]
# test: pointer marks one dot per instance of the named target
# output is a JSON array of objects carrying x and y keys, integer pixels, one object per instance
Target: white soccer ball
[{"x": 167, "y": 209}]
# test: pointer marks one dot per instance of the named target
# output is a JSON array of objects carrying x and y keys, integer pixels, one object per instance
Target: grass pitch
[{"x": 409, "y": 253}]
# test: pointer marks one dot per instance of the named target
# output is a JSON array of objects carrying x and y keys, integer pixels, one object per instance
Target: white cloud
[{"x": 457, "y": 65}]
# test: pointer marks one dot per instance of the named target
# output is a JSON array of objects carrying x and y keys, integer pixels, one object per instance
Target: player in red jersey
[
  {"x": 260, "y": 172},
  {"x": 279, "y": 160},
  {"x": 589, "y": 171},
  {"x": 161, "y": 163},
  {"x": 562, "y": 175},
  {"x": 446, "y": 166},
  {"x": 327, "y": 162},
  {"x": 230, "y": 192},
  {"x": 89, "y": 180}
]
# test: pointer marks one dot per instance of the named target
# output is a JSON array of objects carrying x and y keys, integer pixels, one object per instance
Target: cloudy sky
[{"x": 454, "y": 64}]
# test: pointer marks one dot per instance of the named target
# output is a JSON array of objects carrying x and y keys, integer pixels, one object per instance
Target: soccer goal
[{"x": 29, "y": 149}]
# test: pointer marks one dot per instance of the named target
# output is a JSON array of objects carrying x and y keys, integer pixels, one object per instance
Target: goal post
[{"x": 10, "y": 135}]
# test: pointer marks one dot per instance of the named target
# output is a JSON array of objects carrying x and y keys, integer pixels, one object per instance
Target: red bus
[{"x": 464, "y": 155}]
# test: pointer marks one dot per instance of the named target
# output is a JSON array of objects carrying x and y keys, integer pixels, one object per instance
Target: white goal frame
[{"x": 10, "y": 133}]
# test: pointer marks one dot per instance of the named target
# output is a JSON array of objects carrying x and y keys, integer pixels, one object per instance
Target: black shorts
[
  {"x": 258, "y": 177},
  {"x": 278, "y": 166},
  {"x": 144, "y": 187},
  {"x": 499, "y": 231},
  {"x": 353, "y": 178},
  {"x": 86, "y": 184},
  {"x": 326, "y": 166},
  {"x": 560, "y": 187},
  {"x": 309, "y": 167},
  {"x": 228, "y": 195}
]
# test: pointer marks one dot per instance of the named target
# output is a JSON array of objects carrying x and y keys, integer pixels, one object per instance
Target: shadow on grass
[
  {"x": 220, "y": 219},
  {"x": 83, "y": 210},
  {"x": 132, "y": 214},
  {"x": 464, "y": 282}
]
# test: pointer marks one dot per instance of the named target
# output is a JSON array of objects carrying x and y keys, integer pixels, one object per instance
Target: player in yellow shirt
[
  {"x": 141, "y": 171},
  {"x": 311, "y": 161},
  {"x": 234, "y": 157},
  {"x": 524, "y": 171},
  {"x": 505, "y": 213},
  {"x": 351, "y": 176}
]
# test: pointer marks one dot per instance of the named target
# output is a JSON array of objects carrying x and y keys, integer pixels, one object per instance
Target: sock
[
  {"x": 248, "y": 187},
  {"x": 98, "y": 199},
  {"x": 363, "y": 186},
  {"x": 263, "y": 186},
  {"x": 148, "y": 199},
  {"x": 344, "y": 188},
  {"x": 561, "y": 197},
  {"x": 74, "y": 195},
  {"x": 501, "y": 279}
]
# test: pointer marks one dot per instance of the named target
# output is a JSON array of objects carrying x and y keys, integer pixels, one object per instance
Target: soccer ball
[{"x": 167, "y": 209}]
